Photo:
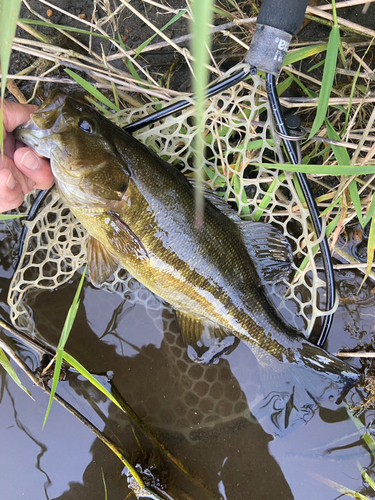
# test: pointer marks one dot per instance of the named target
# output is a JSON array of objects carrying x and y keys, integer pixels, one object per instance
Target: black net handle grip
[
  {"x": 278, "y": 21},
  {"x": 285, "y": 15}
]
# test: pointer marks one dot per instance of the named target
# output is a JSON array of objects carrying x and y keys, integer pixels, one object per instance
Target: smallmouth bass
[{"x": 139, "y": 212}]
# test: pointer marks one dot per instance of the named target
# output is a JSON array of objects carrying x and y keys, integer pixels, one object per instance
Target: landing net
[{"x": 239, "y": 135}]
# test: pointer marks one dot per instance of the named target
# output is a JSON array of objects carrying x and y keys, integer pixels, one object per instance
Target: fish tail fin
[
  {"x": 292, "y": 392},
  {"x": 324, "y": 364}
]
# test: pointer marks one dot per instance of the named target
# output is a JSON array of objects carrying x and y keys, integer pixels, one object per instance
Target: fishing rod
[{"x": 277, "y": 22}]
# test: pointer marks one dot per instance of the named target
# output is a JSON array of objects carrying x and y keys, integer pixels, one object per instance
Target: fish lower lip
[{"x": 30, "y": 133}]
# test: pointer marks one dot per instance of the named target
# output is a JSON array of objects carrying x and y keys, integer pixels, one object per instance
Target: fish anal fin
[
  {"x": 206, "y": 341},
  {"x": 269, "y": 249},
  {"x": 102, "y": 263},
  {"x": 123, "y": 239}
]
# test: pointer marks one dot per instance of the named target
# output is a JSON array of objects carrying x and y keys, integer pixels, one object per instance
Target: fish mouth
[
  {"x": 31, "y": 135},
  {"x": 54, "y": 101},
  {"x": 38, "y": 132}
]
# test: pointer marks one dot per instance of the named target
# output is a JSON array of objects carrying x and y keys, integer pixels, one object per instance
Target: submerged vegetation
[{"x": 328, "y": 83}]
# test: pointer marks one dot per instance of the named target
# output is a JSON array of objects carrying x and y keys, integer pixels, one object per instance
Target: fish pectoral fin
[
  {"x": 206, "y": 341},
  {"x": 123, "y": 239},
  {"x": 102, "y": 263},
  {"x": 270, "y": 251}
]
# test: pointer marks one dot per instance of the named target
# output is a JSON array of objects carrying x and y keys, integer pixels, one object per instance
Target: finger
[
  {"x": 25, "y": 183},
  {"x": 9, "y": 145},
  {"x": 11, "y": 194},
  {"x": 16, "y": 114},
  {"x": 35, "y": 168}
]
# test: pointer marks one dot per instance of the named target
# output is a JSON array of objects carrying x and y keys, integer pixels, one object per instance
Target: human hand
[{"x": 21, "y": 168}]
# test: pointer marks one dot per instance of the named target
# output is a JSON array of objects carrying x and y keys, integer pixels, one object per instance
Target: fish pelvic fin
[
  {"x": 101, "y": 262},
  {"x": 206, "y": 341}
]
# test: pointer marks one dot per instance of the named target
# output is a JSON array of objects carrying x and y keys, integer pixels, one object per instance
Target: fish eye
[{"x": 86, "y": 125}]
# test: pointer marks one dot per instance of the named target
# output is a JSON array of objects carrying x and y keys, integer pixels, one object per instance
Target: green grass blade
[
  {"x": 298, "y": 82},
  {"x": 132, "y": 70},
  {"x": 331, "y": 206},
  {"x": 366, "y": 436},
  {"x": 284, "y": 85},
  {"x": 66, "y": 28},
  {"x": 332, "y": 225},
  {"x": 316, "y": 66},
  {"x": 139, "y": 49},
  {"x": 354, "y": 195},
  {"x": 134, "y": 73},
  {"x": 105, "y": 486},
  {"x": 370, "y": 212},
  {"x": 55, "y": 380},
  {"x": 342, "y": 157},
  {"x": 327, "y": 81},
  {"x": 345, "y": 492},
  {"x": 11, "y": 216},
  {"x": 5, "y": 363},
  {"x": 63, "y": 339},
  {"x": 322, "y": 169},
  {"x": 202, "y": 11},
  {"x": 218, "y": 181},
  {"x": 222, "y": 13},
  {"x": 299, "y": 54},
  {"x": 266, "y": 200},
  {"x": 101, "y": 108},
  {"x": 341, "y": 154},
  {"x": 91, "y": 89},
  {"x": 366, "y": 477},
  {"x": 370, "y": 250},
  {"x": 85, "y": 373},
  {"x": 9, "y": 10}
]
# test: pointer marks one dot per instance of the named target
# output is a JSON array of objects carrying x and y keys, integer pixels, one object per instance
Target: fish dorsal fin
[
  {"x": 217, "y": 201},
  {"x": 102, "y": 263},
  {"x": 269, "y": 250},
  {"x": 206, "y": 341},
  {"x": 123, "y": 239}
]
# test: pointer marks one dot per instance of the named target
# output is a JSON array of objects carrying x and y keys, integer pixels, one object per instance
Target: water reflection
[
  {"x": 200, "y": 412},
  {"x": 208, "y": 416}
]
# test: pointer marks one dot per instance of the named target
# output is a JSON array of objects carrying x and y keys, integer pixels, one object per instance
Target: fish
[{"x": 140, "y": 214}]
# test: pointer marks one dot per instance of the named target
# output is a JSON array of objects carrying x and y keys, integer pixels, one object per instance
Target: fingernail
[
  {"x": 30, "y": 160},
  {"x": 11, "y": 182}
]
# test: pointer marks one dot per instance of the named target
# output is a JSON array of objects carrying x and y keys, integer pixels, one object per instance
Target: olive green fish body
[
  {"x": 140, "y": 213},
  {"x": 206, "y": 271}
]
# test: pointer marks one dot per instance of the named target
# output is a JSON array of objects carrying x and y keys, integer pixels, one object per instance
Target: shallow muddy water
[{"x": 214, "y": 418}]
